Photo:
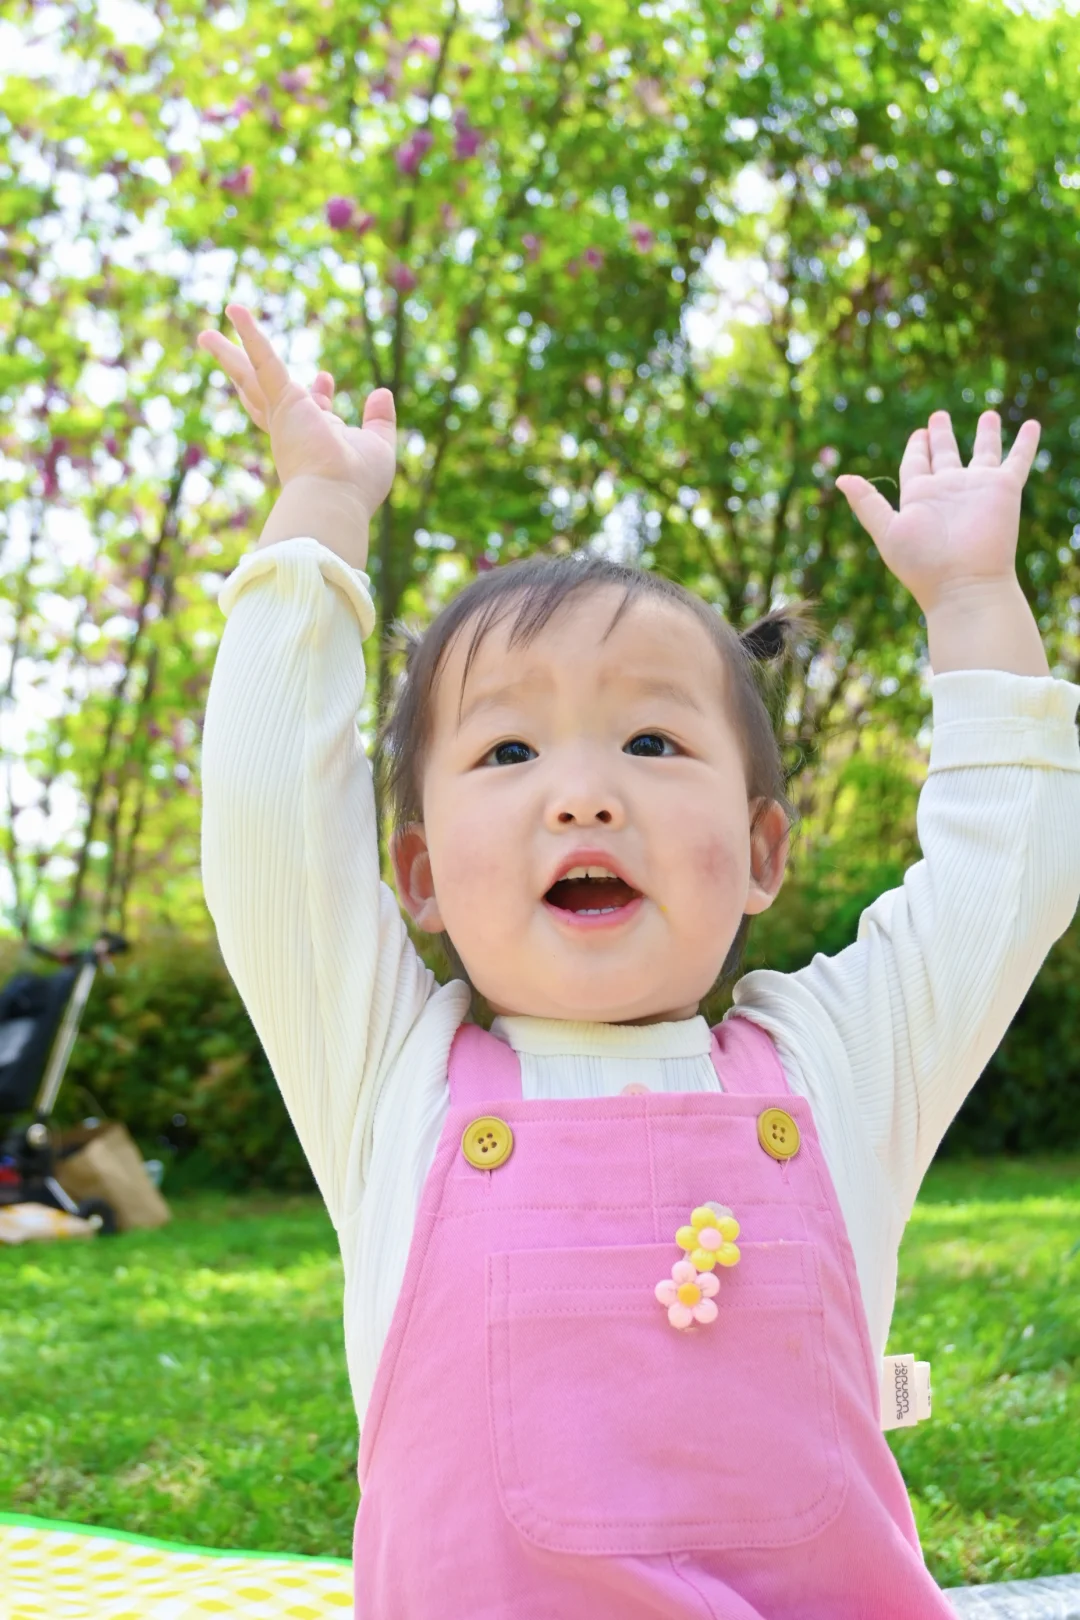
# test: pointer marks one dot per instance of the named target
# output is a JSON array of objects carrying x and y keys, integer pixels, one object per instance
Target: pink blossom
[
  {"x": 409, "y": 155},
  {"x": 383, "y": 87},
  {"x": 241, "y": 106},
  {"x": 112, "y": 446},
  {"x": 484, "y": 565},
  {"x": 467, "y": 144},
  {"x": 428, "y": 43},
  {"x": 829, "y": 456},
  {"x": 339, "y": 213},
  {"x": 642, "y": 237},
  {"x": 531, "y": 244},
  {"x": 215, "y": 115},
  {"x": 594, "y": 257},
  {"x": 401, "y": 277},
  {"x": 364, "y": 222},
  {"x": 239, "y": 182},
  {"x": 296, "y": 79},
  {"x": 192, "y": 456}
]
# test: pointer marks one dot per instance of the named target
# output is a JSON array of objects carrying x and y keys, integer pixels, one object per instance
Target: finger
[
  {"x": 256, "y": 412},
  {"x": 868, "y": 504},
  {"x": 270, "y": 369},
  {"x": 233, "y": 361},
  {"x": 323, "y": 384},
  {"x": 944, "y": 450},
  {"x": 916, "y": 462},
  {"x": 380, "y": 416},
  {"x": 1022, "y": 455},
  {"x": 986, "y": 451}
]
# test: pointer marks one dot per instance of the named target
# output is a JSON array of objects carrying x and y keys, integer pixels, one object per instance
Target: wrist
[
  {"x": 330, "y": 510},
  {"x": 984, "y": 624}
]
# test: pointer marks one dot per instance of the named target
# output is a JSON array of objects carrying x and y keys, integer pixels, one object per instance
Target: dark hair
[{"x": 539, "y": 586}]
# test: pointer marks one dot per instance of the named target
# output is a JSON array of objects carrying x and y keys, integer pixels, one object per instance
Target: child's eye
[
  {"x": 510, "y": 753},
  {"x": 650, "y": 745}
]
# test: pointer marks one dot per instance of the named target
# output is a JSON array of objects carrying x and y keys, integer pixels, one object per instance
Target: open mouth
[{"x": 590, "y": 891}]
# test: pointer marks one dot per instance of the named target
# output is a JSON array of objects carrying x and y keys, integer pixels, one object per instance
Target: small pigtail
[
  {"x": 774, "y": 647},
  {"x": 773, "y": 639}
]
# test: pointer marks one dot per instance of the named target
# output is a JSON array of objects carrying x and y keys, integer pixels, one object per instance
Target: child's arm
[
  {"x": 312, "y": 938},
  {"x": 896, "y": 1029}
]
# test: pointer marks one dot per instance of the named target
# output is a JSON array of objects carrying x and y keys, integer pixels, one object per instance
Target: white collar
[{"x": 558, "y": 1037}]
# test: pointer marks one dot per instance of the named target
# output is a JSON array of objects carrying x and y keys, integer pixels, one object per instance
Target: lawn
[{"x": 189, "y": 1383}]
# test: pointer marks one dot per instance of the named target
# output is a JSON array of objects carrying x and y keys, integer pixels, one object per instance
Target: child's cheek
[
  {"x": 476, "y": 879},
  {"x": 716, "y": 866}
]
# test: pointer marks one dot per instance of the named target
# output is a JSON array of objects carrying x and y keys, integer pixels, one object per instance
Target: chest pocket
[{"x": 614, "y": 1432}]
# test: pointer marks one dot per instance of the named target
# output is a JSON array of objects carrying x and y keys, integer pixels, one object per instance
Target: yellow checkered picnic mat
[{"x": 75, "y": 1572}]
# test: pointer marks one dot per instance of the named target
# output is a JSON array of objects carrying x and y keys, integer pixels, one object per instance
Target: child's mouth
[{"x": 592, "y": 895}]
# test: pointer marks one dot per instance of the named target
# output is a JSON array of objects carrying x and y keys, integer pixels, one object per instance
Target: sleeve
[
  {"x": 312, "y": 938},
  {"x": 903, "y": 1022}
]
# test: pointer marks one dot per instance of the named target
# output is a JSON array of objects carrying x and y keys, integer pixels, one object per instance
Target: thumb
[
  {"x": 868, "y": 504},
  {"x": 380, "y": 416}
]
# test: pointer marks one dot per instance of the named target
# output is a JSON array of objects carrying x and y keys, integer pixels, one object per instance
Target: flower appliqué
[
  {"x": 709, "y": 1241},
  {"x": 710, "y": 1238},
  {"x": 688, "y": 1295}
]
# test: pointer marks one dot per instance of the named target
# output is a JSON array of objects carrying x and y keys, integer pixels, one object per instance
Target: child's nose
[{"x": 585, "y": 807}]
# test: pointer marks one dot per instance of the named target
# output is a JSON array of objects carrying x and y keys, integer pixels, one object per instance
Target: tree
[{"x": 513, "y": 224}]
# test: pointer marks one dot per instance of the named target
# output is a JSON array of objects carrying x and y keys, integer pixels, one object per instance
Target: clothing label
[{"x": 905, "y": 1391}]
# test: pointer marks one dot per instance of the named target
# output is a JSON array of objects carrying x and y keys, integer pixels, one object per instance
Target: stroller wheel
[{"x": 99, "y": 1214}]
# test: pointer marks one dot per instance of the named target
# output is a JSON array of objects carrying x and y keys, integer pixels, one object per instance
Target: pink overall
[{"x": 542, "y": 1443}]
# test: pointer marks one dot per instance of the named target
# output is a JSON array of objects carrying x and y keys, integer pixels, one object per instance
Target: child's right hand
[{"x": 306, "y": 438}]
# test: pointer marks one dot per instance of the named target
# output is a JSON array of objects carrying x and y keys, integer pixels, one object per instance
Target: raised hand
[
  {"x": 956, "y": 525},
  {"x": 307, "y": 438}
]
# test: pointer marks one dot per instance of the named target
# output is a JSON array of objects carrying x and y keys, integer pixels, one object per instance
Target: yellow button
[
  {"x": 778, "y": 1133},
  {"x": 487, "y": 1142}
]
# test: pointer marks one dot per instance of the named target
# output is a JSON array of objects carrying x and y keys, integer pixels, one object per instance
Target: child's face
[{"x": 581, "y": 751}]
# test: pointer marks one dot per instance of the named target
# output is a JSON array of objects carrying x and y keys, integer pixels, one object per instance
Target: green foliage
[
  {"x": 149, "y": 1386},
  {"x": 1026, "y": 1100},
  {"x": 518, "y": 225}
]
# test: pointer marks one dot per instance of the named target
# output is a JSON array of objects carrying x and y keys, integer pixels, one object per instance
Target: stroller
[{"x": 39, "y": 1020}]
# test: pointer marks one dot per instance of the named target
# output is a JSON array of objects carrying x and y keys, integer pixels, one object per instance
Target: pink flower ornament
[{"x": 688, "y": 1295}]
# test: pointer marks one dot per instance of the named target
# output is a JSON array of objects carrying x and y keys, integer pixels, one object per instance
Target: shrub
[{"x": 166, "y": 1045}]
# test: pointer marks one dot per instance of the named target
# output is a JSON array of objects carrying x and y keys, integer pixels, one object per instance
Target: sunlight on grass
[{"x": 190, "y": 1383}]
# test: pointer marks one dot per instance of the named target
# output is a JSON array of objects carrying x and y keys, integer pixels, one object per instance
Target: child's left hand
[{"x": 957, "y": 525}]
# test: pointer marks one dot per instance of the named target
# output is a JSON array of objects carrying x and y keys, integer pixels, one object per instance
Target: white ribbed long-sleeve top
[{"x": 884, "y": 1040}]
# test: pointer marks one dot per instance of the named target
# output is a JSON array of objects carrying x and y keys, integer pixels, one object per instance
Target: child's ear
[
  {"x": 412, "y": 871},
  {"x": 768, "y": 854}
]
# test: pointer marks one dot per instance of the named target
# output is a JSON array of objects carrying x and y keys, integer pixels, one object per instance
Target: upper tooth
[{"x": 588, "y": 872}]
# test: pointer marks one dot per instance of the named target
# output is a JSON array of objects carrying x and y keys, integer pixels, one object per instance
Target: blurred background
[{"x": 644, "y": 278}]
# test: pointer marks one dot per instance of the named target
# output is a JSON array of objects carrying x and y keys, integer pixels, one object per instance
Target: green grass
[
  {"x": 189, "y": 1384},
  {"x": 990, "y": 1293}
]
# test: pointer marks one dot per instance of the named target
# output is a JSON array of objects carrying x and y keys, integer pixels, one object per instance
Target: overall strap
[
  {"x": 745, "y": 1058},
  {"x": 482, "y": 1069}
]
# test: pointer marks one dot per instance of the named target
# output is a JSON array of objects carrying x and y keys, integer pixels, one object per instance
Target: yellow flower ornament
[{"x": 709, "y": 1240}]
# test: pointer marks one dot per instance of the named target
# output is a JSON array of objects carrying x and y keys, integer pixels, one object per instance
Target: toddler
[{"x": 617, "y": 1286}]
